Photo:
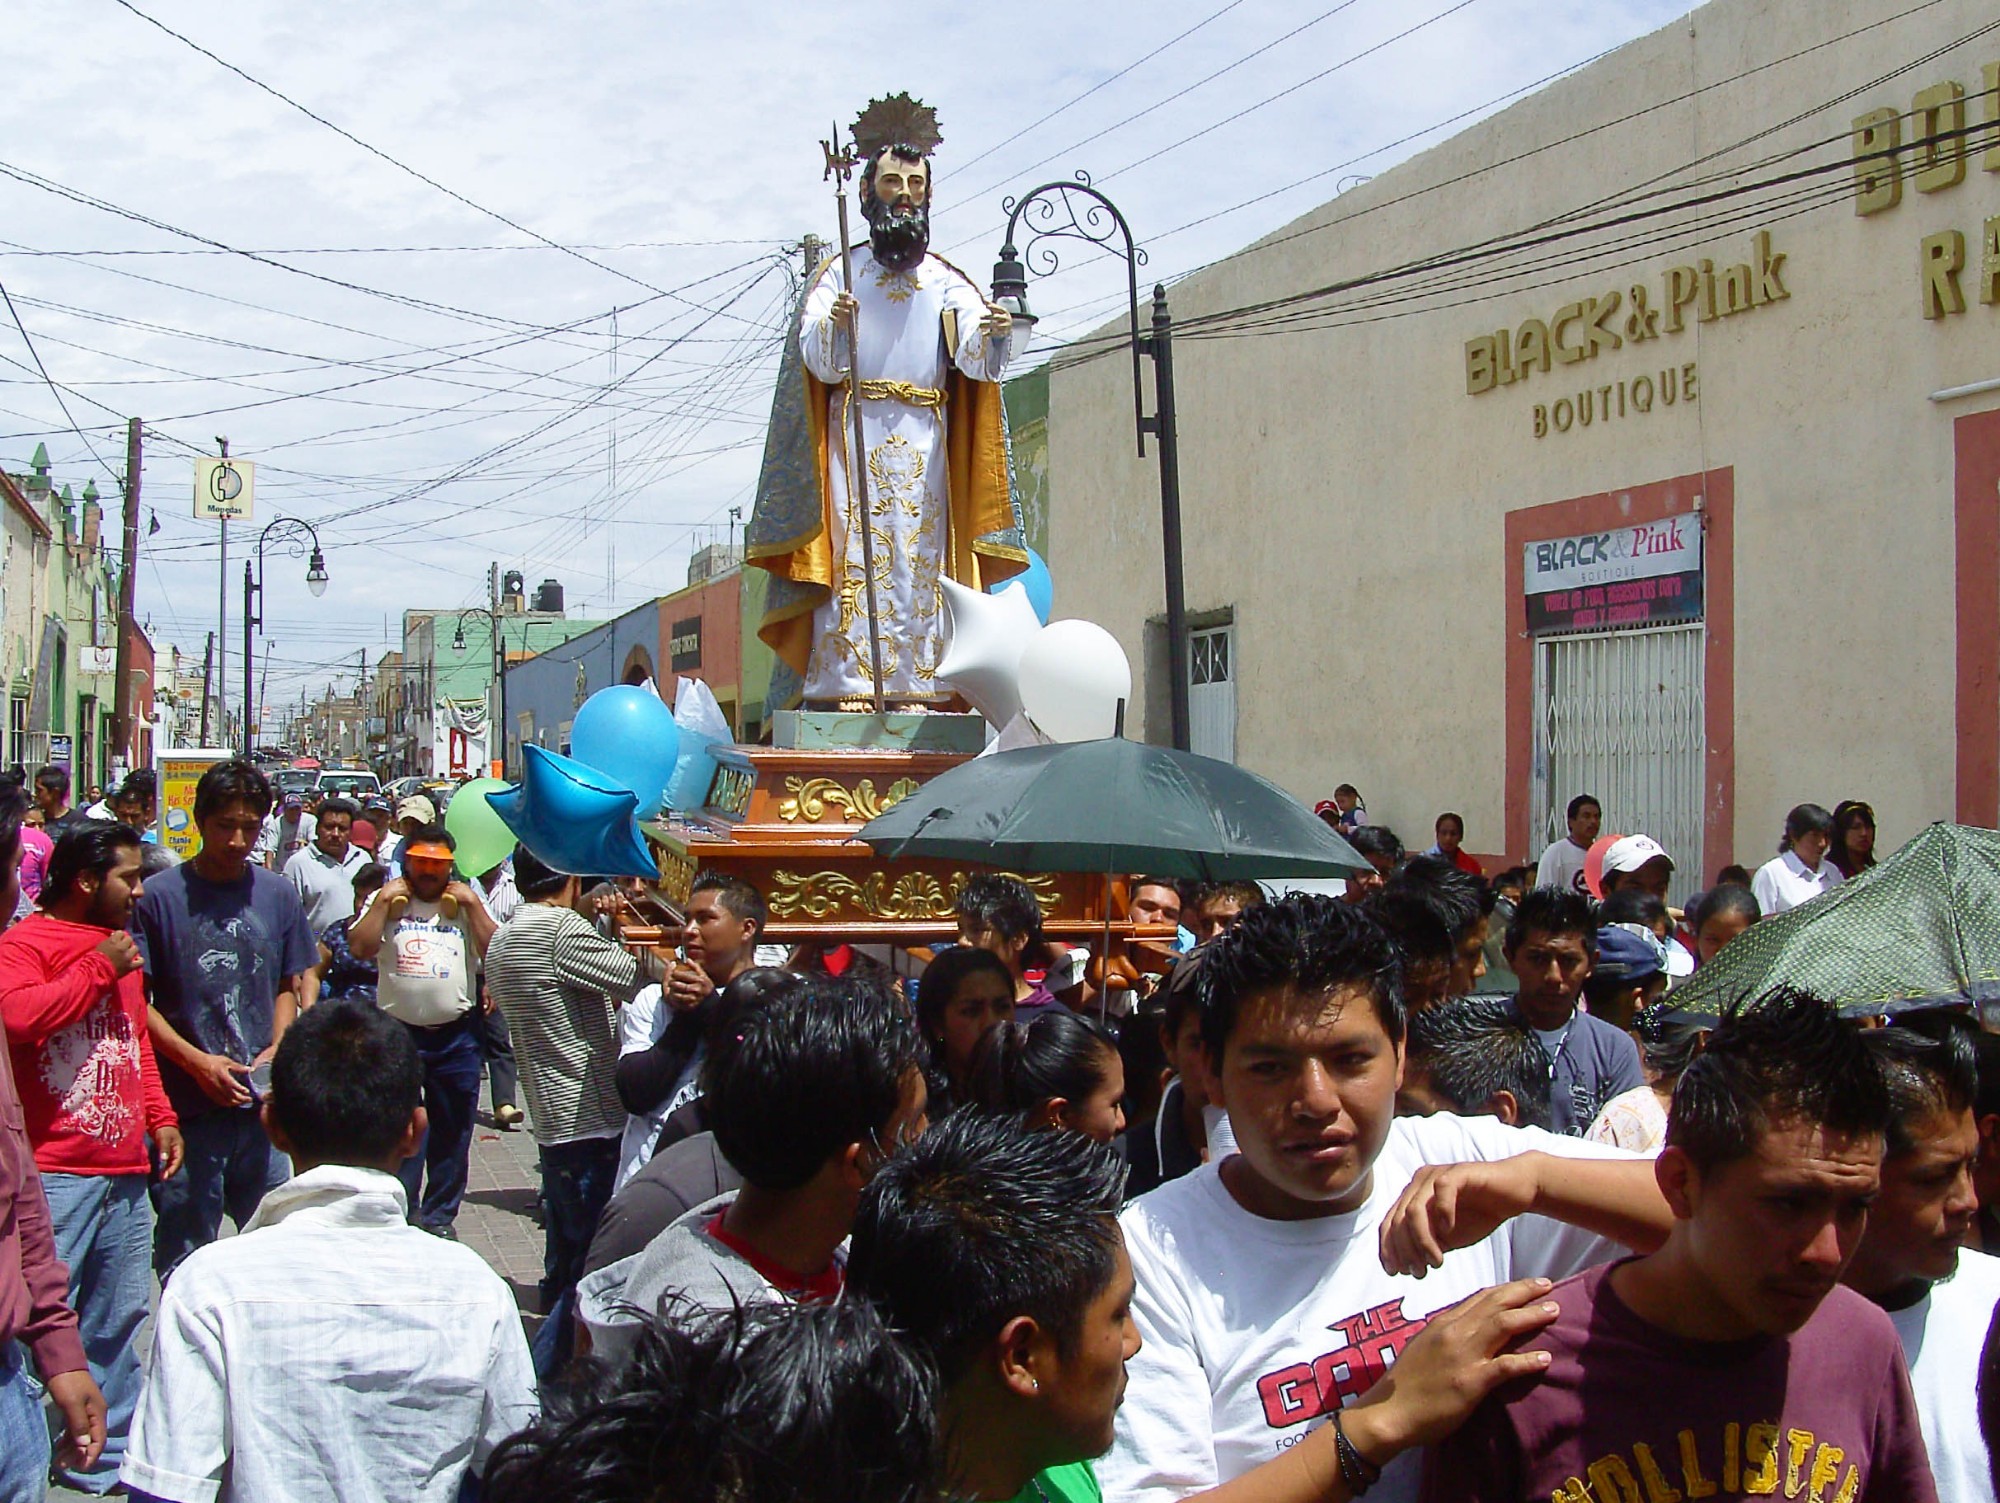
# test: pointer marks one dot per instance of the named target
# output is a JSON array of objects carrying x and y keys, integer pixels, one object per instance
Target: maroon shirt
[
  {"x": 34, "y": 1285},
  {"x": 1628, "y": 1411}
]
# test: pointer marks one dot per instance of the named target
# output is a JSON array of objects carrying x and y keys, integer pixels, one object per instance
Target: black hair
[
  {"x": 1175, "y": 885},
  {"x": 154, "y": 859},
  {"x": 1930, "y": 1065},
  {"x": 983, "y": 1220},
  {"x": 1632, "y": 905},
  {"x": 232, "y": 782},
  {"x": 53, "y": 778},
  {"x": 943, "y": 977},
  {"x": 88, "y": 847},
  {"x": 344, "y": 1082},
  {"x": 1348, "y": 788},
  {"x": 1457, "y": 819},
  {"x": 740, "y": 897},
  {"x": 1986, "y": 1049},
  {"x": 1806, "y": 819},
  {"x": 1460, "y": 899},
  {"x": 1473, "y": 1047},
  {"x": 338, "y": 805},
  {"x": 1724, "y": 897},
  {"x": 534, "y": 877},
  {"x": 1376, "y": 840},
  {"x": 801, "y": 1080},
  {"x": 1733, "y": 876},
  {"x": 1668, "y": 1041},
  {"x": 1846, "y": 815},
  {"x": 760, "y": 1404},
  {"x": 1180, "y": 994},
  {"x": 1142, "y": 1049},
  {"x": 141, "y": 783},
  {"x": 1784, "y": 1057},
  {"x": 1581, "y": 802},
  {"x": 1522, "y": 877},
  {"x": 1422, "y": 936},
  {"x": 1552, "y": 911},
  {"x": 1310, "y": 943},
  {"x": 902, "y": 151},
  {"x": 1000, "y": 904},
  {"x": 1020, "y": 1067},
  {"x": 367, "y": 878}
]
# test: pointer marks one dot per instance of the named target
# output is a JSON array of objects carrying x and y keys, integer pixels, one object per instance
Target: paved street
[{"x": 497, "y": 1220}]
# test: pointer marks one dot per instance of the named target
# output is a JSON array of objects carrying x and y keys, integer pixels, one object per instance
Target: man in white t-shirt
[
  {"x": 1278, "y": 1283},
  {"x": 1562, "y": 863},
  {"x": 322, "y": 873},
  {"x": 662, "y": 1030},
  {"x": 427, "y": 933},
  {"x": 1940, "y": 1296}
]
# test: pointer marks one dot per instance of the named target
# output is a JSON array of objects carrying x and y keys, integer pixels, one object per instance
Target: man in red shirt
[
  {"x": 74, "y": 1006},
  {"x": 34, "y": 1321}
]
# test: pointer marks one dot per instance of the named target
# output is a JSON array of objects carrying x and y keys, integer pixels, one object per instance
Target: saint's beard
[{"x": 898, "y": 234}]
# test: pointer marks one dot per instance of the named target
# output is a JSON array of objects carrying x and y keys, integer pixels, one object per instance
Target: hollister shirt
[
  {"x": 1257, "y": 1331},
  {"x": 1628, "y": 1411}
]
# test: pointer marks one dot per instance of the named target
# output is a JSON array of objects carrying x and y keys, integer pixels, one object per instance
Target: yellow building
[{"x": 1643, "y": 440}]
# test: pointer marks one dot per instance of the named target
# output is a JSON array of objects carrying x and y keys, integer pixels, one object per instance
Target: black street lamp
[
  {"x": 496, "y": 733},
  {"x": 1052, "y": 213},
  {"x": 295, "y": 534}
]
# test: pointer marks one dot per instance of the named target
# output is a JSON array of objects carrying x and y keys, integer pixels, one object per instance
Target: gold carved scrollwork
[
  {"x": 912, "y": 896},
  {"x": 809, "y": 797}
]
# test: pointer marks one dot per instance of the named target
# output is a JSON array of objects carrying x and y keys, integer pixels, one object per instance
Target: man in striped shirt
[{"x": 560, "y": 984}]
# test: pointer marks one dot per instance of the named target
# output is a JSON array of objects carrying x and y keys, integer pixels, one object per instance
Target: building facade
[{"x": 1641, "y": 441}]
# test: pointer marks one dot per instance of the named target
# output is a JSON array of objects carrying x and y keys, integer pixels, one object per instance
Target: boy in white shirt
[
  {"x": 332, "y": 1350},
  {"x": 1277, "y": 1284}
]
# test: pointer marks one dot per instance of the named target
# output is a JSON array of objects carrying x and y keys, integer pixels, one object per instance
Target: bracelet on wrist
[{"x": 1356, "y": 1470}]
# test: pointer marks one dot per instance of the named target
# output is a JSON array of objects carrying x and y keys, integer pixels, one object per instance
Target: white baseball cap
[{"x": 1631, "y": 852}]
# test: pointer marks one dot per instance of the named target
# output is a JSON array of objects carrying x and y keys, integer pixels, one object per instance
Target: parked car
[{"x": 345, "y": 783}]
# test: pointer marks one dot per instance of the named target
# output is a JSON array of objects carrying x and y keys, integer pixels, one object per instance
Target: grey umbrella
[{"x": 1113, "y": 806}]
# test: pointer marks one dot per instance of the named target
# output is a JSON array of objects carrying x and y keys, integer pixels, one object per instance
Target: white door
[
  {"x": 1212, "y": 692},
  {"x": 1619, "y": 715}
]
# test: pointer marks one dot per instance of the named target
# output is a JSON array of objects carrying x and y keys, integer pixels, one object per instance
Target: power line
[{"x": 54, "y": 390}]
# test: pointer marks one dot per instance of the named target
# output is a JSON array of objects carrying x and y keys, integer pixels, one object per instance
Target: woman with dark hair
[
  {"x": 340, "y": 973},
  {"x": 1723, "y": 913},
  {"x": 1061, "y": 1071},
  {"x": 1853, "y": 849},
  {"x": 1800, "y": 872},
  {"x": 964, "y": 992}
]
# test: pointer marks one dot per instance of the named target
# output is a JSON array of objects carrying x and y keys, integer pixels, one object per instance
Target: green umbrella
[
  {"x": 1922, "y": 929},
  {"x": 1113, "y": 806}
]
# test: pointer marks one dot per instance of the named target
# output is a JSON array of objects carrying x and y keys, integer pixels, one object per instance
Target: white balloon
[
  {"x": 1072, "y": 677},
  {"x": 983, "y": 656}
]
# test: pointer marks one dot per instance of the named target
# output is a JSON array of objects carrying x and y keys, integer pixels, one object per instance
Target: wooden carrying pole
[{"x": 840, "y": 162}]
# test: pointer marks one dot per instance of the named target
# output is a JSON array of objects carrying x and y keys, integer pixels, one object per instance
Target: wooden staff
[{"x": 840, "y": 165}]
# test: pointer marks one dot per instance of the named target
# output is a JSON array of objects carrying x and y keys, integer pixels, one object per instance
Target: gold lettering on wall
[
  {"x": 1940, "y": 132},
  {"x": 1940, "y": 257},
  {"x": 1989, "y": 262},
  {"x": 1878, "y": 185}
]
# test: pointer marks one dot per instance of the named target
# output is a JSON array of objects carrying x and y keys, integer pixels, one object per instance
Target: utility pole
[
  {"x": 814, "y": 248},
  {"x": 222, "y": 624},
  {"x": 496, "y": 731},
  {"x": 207, "y": 666},
  {"x": 128, "y": 577}
]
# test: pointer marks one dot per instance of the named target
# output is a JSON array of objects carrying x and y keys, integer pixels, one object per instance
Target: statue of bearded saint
[{"x": 932, "y": 444}]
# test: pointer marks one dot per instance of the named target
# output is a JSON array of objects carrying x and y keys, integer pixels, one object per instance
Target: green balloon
[{"x": 483, "y": 841}]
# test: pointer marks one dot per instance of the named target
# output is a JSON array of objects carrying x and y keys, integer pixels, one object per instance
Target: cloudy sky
[{"x": 427, "y": 370}]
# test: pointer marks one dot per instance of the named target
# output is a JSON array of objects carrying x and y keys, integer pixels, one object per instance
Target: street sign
[
  {"x": 98, "y": 659},
  {"x": 60, "y": 753},
  {"x": 224, "y": 489}
]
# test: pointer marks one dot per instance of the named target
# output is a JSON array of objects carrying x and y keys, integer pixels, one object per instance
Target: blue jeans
[
  {"x": 576, "y": 1184},
  {"x": 453, "y": 1065},
  {"x": 229, "y": 1166},
  {"x": 104, "y": 1232},
  {"x": 24, "y": 1433}
]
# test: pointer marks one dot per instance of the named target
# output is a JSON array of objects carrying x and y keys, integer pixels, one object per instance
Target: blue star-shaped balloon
[{"x": 574, "y": 818}]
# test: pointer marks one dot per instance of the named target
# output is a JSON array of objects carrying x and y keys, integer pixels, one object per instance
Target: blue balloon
[
  {"x": 1035, "y": 580},
  {"x": 573, "y": 818},
  {"x": 629, "y": 735}
]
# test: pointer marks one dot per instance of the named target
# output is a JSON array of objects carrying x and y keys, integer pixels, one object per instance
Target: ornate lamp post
[
  {"x": 1073, "y": 210},
  {"x": 295, "y": 535}
]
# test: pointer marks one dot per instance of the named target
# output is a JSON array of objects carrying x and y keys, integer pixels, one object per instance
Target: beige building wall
[{"x": 1348, "y": 498}]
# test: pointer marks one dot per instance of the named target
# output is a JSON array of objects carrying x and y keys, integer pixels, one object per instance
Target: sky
[{"x": 516, "y": 294}]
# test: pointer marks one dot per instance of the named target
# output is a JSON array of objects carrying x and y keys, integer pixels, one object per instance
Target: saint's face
[{"x": 898, "y": 182}]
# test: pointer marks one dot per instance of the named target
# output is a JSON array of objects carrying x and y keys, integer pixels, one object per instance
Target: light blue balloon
[
  {"x": 629, "y": 735},
  {"x": 573, "y": 819},
  {"x": 1035, "y": 580}
]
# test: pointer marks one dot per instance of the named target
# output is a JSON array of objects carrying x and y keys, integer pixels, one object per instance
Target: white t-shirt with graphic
[
  {"x": 1942, "y": 1335},
  {"x": 1562, "y": 866},
  {"x": 428, "y": 971},
  {"x": 1254, "y": 1330}
]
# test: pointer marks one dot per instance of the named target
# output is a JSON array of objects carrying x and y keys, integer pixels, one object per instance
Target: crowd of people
[{"x": 1424, "y": 1190}]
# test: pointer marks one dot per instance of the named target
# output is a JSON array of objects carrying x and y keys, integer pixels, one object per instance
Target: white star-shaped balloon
[{"x": 988, "y": 635}]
